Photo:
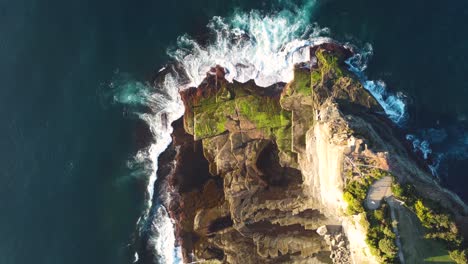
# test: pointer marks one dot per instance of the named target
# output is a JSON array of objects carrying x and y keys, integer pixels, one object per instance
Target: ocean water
[{"x": 82, "y": 129}]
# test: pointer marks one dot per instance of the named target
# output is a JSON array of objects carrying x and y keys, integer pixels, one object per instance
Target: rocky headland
[{"x": 286, "y": 174}]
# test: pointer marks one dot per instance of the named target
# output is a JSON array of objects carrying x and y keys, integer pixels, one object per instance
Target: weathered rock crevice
[{"x": 260, "y": 173}]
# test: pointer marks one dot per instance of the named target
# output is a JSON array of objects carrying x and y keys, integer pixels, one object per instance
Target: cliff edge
[{"x": 306, "y": 172}]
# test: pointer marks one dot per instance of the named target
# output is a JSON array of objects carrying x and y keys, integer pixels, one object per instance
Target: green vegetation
[
  {"x": 459, "y": 256},
  {"x": 316, "y": 77},
  {"x": 356, "y": 189},
  {"x": 388, "y": 247},
  {"x": 416, "y": 248},
  {"x": 328, "y": 64},
  {"x": 440, "y": 259},
  {"x": 263, "y": 112},
  {"x": 210, "y": 118},
  {"x": 267, "y": 115},
  {"x": 397, "y": 190},
  {"x": 428, "y": 232},
  {"x": 380, "y": 236},
  {"x": 378, "y": 223},
  {"x": 301, "y": 82},
  {"x": 439, "y": 225},
  {"x": 233, "y": 102}
]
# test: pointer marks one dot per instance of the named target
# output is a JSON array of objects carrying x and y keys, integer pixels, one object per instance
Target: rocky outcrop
[{"x": 260, "y": 173}]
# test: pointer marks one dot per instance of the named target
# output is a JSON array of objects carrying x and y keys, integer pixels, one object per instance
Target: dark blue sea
[{"x": 70, "y": 191}]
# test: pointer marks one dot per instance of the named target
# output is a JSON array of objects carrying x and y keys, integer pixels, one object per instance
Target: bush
[
  {"x": 388, "y": 232},
  {"x": 388, "y": 247},
  {"x": 354, "y": 205},
  {"x": 423, "y": 213},
  {"x": 379, "y": 215},
  {"x": 397, "y": 190},
  {"x": 459, "y": 256}
]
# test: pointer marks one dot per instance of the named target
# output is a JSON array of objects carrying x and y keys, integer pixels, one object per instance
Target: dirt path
[
  {"x": 394, "y": 203},
  {"x": 378, "y": 191}
]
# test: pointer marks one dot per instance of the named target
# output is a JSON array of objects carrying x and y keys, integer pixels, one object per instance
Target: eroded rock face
[{"x": 259, "y": 172}]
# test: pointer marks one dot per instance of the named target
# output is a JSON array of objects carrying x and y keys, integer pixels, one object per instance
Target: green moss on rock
[{"x": 328, "y": 64}]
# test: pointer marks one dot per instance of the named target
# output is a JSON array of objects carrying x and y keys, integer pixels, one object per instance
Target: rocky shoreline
[{"x": 258, "y": 175}]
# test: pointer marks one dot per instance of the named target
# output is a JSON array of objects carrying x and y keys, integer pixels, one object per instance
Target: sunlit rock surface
[{"x": 259, "y": 174}]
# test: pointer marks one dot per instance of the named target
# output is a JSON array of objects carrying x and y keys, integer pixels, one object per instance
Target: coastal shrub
[
  {"x": 388, "y": 247},
  {"x": 356, "y": 189},
  {"x": 397, "y": 190},
  {"x": 378, "y": 223},
  {"x": 363, "y": 222},
  {"x": 459, "y": 256},
  {"x": 439, "y": 225},
  {"x": 380, "y": 229},
  {"x": 423, "y": 213},
  {"x": 379, "y": 215},
  {"x": 388, "y": 232},
  {"x": 354, "y": 205}
]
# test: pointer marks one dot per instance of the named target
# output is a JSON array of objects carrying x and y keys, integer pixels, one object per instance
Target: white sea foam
[
  {"x": 441, "y": 145},
  {"x": 163, "y": 238},
  {"x": 166, "y": 106},
  {"x": 251, "y": 46},
  {"x": 420, "y": 145},
  {"x": 393, "y": 103}
]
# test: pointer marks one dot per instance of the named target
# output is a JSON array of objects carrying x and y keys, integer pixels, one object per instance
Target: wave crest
[{"x": 251, "y": 47}]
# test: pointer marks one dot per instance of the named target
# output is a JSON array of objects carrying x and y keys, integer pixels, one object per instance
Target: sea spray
[
  {"x": 250, "y": 47},
  {"x": 163, "y": 105},
  {"x": 393, "y": 104}
]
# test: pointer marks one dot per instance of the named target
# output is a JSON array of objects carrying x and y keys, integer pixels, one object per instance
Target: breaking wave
[
  {"x": 393, "y": 104},
  {"x": 251, "y": 46},
  {"x": 158, "y": 105}
]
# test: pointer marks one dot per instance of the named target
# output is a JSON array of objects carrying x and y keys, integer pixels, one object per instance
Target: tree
[
  {"x": 379, "y": 215},
  {"x": 397, "y": 190},
  {"x": 424, "y": 214},
  {"x": 388, "y": 247},
  {"x": 459, "y": 256}
]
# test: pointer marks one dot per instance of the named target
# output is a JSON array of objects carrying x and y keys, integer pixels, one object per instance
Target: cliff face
[{"x": 261, "y": 173}]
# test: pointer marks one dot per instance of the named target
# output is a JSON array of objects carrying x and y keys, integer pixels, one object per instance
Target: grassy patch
[
  {"x": 440, "y": 259},
  {"x": 415, "y": 246},
  {"x": 433, "y": 236}
]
